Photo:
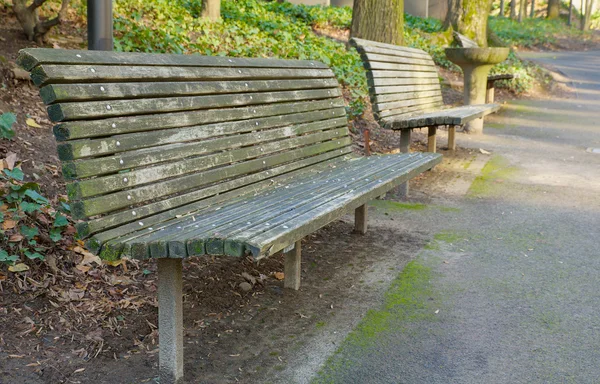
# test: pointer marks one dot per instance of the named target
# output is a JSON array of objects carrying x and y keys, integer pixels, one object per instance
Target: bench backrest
[
  {"x": 402, "y": 81},
  {"x": 143, "y": 134}
]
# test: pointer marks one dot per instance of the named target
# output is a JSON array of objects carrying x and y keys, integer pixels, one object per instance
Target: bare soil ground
[{"x": 65, "y": 321}]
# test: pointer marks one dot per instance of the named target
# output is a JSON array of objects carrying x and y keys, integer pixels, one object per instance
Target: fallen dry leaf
[
  {"x": 279, "y": 275},
  {"x": 83, "y": 268},
  {"x": 15, "y": 238},
  {"x": 8, "y": 224},
  {"x": 79, "y": 370},
  {"x": 20, "y": 267},
  {"x": 11, "y": 159},
  {"x": 32, "y": 123}
]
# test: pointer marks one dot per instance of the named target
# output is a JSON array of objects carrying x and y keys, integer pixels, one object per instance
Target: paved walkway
[{"x": 508, "y": 291}]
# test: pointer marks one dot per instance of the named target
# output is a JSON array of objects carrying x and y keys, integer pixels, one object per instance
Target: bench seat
[
  {"x": 261, "y": 224},
  {"x": 450, "y": 116}
]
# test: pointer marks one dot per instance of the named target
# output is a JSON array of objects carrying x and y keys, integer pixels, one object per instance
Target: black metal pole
[{"x": 100, "y": 25}]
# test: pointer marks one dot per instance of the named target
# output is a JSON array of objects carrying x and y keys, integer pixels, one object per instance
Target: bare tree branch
[{"x": 36, "y": 4}]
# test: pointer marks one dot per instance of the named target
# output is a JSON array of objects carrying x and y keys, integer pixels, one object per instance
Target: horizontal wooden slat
[
  {"x": 380, "y": 91},
  {"x": 409, "y": 103},
  {"x": 401, "y": 74},
  {"x": 288, "y": 231},
  {"x": 113, "y": 183},
  {"x": 31, "y": 57},
  {"x": 158, "y": 212},
  {"x": 383, "y": 82},
  {"x": 106, "y": 91},
  {"x": 401, "y": 99},
  {"x": 132, "y": 141},
  {"x": 122, "y": 199},
  {"x": 450, "y": 116},
  {"x": 248, "y": 211},
  {"x": 112, "y": 108},
  {"x": 138, "y": 158},
  {"x": 373, "y": 57},
  {"x": 53, "y": 73},
  {"x": 404, "y": 67},
  {"x": 368, "y": 46},
  {"x": 123, "y": 125}
]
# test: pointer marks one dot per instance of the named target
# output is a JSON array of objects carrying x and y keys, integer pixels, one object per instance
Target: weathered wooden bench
[
  {"x": 172, "y": 156},
  {"x": 405, "y": 93},
  {"x": 465, "y": 42}
]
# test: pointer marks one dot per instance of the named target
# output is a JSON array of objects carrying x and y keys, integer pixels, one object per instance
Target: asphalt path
[{"x": 510, "y": 285}]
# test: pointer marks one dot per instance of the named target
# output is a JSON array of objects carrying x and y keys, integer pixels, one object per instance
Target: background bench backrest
[
  {"x": 141, "y": 134},
  {"x": 402, "y": 80}
]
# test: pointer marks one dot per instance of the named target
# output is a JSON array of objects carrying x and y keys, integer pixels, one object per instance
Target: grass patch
[
  {"x": 408, "y": 300},
  {"x": 495, "y": 172},
  {"x": 448, "y": 237}
]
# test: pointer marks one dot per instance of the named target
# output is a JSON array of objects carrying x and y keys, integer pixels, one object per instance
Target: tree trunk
[
  {"x": 501, "y": 14},
  {"x": 513, "y": 9},
  {"x": 211, "y": 9},
  {"x": 588, "y": 6},
  {"x": 532, "y": 13},
  {"x": 553, "y": 9},
  {"x": 35, "y": 29},
  {"x": 570, "y": 13},
  {"x": 469, "y": 17},
  {"x": 378, "y": 20},
  {"x": 522, "y": 10}
]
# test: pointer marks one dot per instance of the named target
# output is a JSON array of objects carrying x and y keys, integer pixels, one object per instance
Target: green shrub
[
  {"x": 6, "y": 122},
  {"x": 25, "y": 215},
  {"x": 249, "y": 28},
  {"x": 531, "y": 32}
]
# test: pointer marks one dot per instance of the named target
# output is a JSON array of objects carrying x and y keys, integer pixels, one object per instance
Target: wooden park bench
[
  {"x": 171, "y": 156},
  {"x": 405, "y": 93},
  {"x": 465, "y": 42}
]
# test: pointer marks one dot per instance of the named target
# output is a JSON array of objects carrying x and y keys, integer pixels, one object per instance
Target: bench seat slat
[
  {"x": 28, "y": 59},
  {"x": 154, "y": 214},
  {"x": 112, "y": 108},
  {"x": 106, "y": 91},
  {"x": 71, "y": 130},
  {"x": 450, "y": 116},
  {"x": 43, "y": 73},
  {"x": 296, "y": 227},
  {"x": 326, "y": 204},
  {"x": 236, "y": 216}
]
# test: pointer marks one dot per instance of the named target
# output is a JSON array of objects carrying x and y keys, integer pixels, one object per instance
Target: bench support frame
[
  {"x": 170, "y": 320},
  {"x": 360, "y": 219},
  {"x": 292, "y": 267},
  {"x": 405, "y": 138},
  {"x": 431, "y": 141},
  {"x": 451, "y": 137}
]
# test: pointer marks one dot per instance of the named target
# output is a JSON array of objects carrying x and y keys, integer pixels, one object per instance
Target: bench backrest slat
[
  {"x": 144, "y": 134},
  {"x": 402, "y": 81}
]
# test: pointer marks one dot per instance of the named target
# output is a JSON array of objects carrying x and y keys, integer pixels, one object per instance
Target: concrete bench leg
[
  {"x": 360, "y": 219},
  {"x": 489, "y": 92},
  {"x": 404, "y": 148},
  {"x": 431, "y": 139},
  {"x": 170, "y": 321},
  {"x": 291, "y": 268},
  {"x": 452, "y": 137}
]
